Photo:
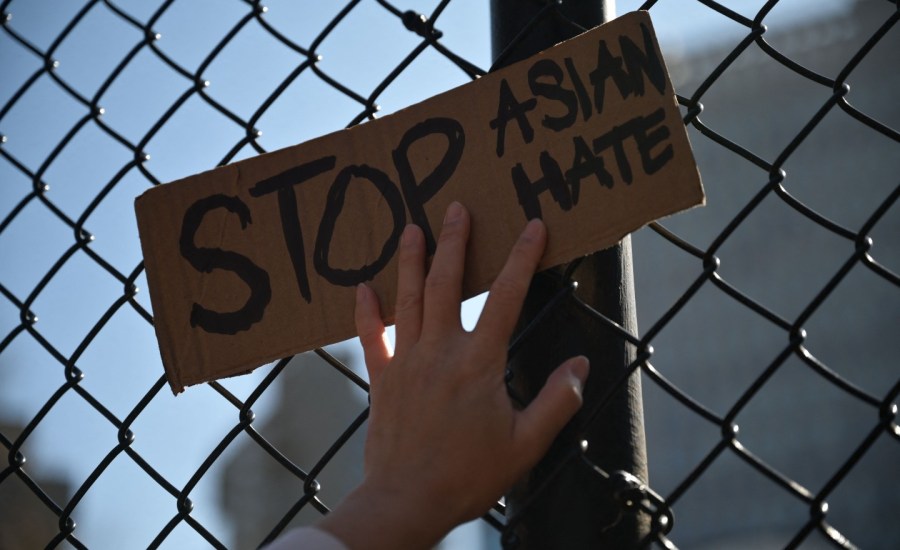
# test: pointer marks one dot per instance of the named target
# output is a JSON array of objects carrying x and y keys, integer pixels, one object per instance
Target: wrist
[{"x": 373, "y": 517}]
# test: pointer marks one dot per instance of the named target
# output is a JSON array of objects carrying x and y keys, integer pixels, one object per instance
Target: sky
[{"x": 122, "y": 362}]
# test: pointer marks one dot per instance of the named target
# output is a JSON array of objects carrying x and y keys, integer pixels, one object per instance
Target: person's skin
[{"x": 444, "y": 441}]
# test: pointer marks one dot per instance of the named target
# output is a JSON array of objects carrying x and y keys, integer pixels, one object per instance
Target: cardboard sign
[{"x": 258, "y": 260}]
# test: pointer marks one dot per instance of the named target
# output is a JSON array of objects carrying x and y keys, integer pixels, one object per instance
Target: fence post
[{"x": 576, "y": 509}]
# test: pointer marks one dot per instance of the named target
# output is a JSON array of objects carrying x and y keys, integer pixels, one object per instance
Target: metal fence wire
[{"x": 775, "y": 308}]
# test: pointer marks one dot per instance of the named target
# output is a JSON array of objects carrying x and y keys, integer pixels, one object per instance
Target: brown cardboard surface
[{"x": 258, "y": 260}]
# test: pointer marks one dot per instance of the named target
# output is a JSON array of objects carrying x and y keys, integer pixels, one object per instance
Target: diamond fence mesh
[{"x": 775, "y": 308}]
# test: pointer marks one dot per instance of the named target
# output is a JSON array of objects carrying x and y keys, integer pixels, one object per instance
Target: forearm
[{"x": 375, "y": 519}]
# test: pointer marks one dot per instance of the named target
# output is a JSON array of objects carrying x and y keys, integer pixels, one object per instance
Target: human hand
[{"x": 444, "y": 441}]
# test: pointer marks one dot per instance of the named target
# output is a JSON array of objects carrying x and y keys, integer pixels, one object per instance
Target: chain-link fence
[{"x": 775, "y": 308}]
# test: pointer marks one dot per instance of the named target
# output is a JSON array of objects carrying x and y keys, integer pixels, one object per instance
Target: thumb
[{"x": 557, "y": 402}]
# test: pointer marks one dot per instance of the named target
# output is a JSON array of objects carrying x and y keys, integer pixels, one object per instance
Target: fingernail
[
  {"x": 361, "y": 292},
  {"x": 581, "y": 368},
  {"x": 534, "y": 228},
  {"x": 410, "y": 234},
  {"x": 454, "y": 211}
]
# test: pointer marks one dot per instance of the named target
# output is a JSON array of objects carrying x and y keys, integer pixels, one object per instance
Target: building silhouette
[
  {"x": 798, "y": 423},
  {"x": 25, "y": 521},
  {"x": 315, "y": 405}
]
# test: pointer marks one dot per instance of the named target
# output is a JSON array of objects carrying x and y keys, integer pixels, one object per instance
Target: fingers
[
  {"x": 501, "y": 310},
  {"x": 370, "y": 327},
  {"x": 410, "y": 285},
  {"x": 443, "y": 286},
  {"x": 556, "y": 404}
]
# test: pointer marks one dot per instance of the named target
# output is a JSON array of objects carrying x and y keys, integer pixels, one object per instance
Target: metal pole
[{"x": 576, "y": 508}]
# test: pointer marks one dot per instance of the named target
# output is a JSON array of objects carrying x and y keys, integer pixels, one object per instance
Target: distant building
[
  {"x": 25, "y": 521},
  {"x": 715, "y": 348},
  {"x": 316, "y": 405}
]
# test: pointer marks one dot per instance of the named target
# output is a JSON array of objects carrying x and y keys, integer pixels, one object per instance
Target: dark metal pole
[{"x": 576, "y": 508}]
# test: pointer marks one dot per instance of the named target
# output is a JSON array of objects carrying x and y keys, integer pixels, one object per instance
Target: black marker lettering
[
  {"x": 585, "y": 164},
  {"x": 583, "y": 98},
  {"x": 647, "y": 141},
  {"x": 333, "y": 206},
  {"x": 417, "y": 194},
  {"x": 551, "y": 180},
  {"x": 648, "y": 132},
  {"x": 509, "y": 108},
  {"x": 615, "y": 138},
  {"x": 553, "y": 90},
  {"x": 284, "y": 183},
  {"x": 639, "y": 63},
  {"x": 207, "y": 259},
  {"x": 608, "y": 66}
]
